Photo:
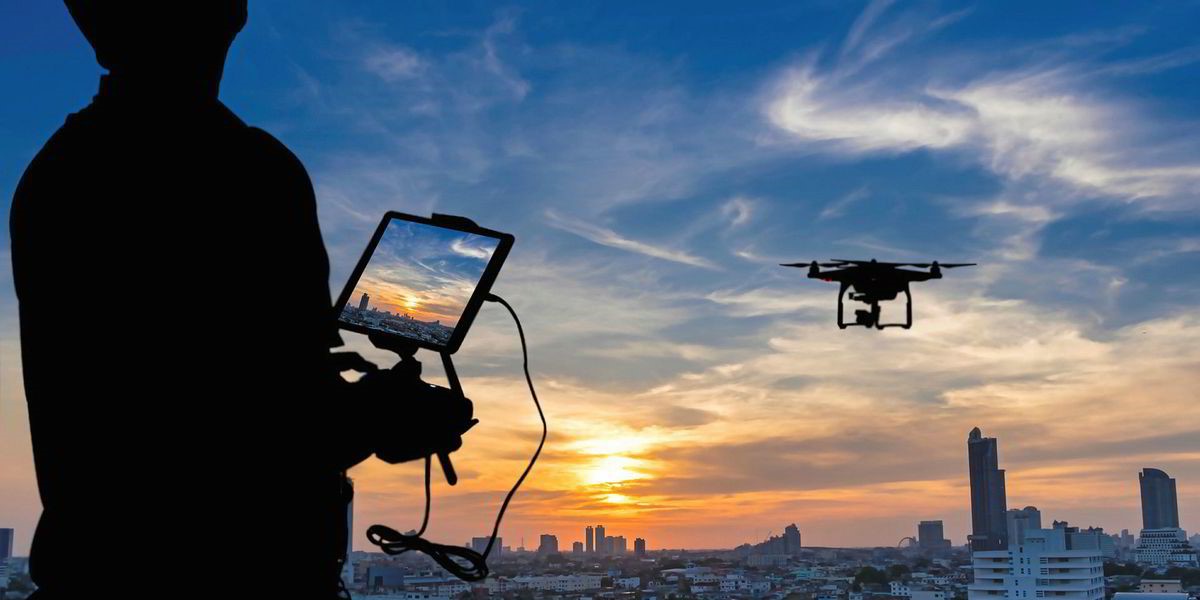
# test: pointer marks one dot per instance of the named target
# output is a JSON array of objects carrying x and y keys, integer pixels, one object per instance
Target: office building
[
  {"x": 639, "y": 547},
  {"x": 6, "y": 543},
  {"x": 362, "y": 302},
  {"x": 589, "y": 544},
  {"x": 600, "y": 540},
  {"x": 1160, "y": 504},
  {"x": 1047, "y": 564},
  {"x": 989, "y": 531},
  {"x": 618, "y": 545},
  {"x": 576, "y": 547},
  {"x": 931, "y": 536},
  {"x": 1167, "y": 547},
  {"x": 548, "y": 545},
  {"x": 1020, "y": 520}
]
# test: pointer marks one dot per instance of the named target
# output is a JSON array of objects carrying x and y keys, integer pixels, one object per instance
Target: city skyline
[{"x": 656, "y": 165}]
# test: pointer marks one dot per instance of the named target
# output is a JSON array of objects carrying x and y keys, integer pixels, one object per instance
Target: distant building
[
  {"x": 600, "y": 540},
  {"x": 989, "y": 531},
  {"x": 1044, "y": 565},
  {"x": 480, "y": 544},
  {"x": 1162, "y": 543},
  {"x": 548, "y": 545},
  {"x": 619, "y": 545},
  {"x": 576, "y": 547},
  {"x": 1161, "y": 586},
  {"x": 1166, "y": 547},
  {"x": 639, "y": 547},
  {"x": 362, "y": 302},
  {"x": 1160, "y": 504},
  {"x": 587, "y": 536},
  {"x": 1019, "y": 520},
  {"x": 931, "y": 536}
]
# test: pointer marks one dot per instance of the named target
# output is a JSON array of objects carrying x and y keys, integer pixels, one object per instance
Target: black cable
[{"x": 393, "y": 542}]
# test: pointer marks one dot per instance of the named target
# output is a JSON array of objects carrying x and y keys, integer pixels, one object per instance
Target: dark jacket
[{"x": 188, "y": 430}]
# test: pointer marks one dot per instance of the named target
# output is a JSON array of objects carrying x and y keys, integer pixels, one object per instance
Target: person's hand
[{"x": 412, "y": 419}]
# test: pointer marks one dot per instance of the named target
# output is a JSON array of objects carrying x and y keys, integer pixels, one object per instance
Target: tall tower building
[
  {"x": 362, "y": 302},
  {"x": 600, "y": 539},
  {"x": 589, "y": 545},
  {"x": 988, "y": 528},
  {"x": 1160, "y": 504},
  {"x": 639, "y": 547}
]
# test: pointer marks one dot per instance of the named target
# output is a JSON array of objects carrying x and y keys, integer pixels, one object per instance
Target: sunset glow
[{"x": 656, "y": 165}]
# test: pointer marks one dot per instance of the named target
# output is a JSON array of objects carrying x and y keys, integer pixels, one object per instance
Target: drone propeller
[
  {"x": 809, "y": 264},
  {"x": 953, "y": 265}
]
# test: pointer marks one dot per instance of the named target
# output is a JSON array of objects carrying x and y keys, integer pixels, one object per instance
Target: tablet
[{"x": 422, "y": 280}]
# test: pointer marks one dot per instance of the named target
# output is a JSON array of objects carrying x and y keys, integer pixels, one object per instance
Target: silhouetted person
[{"x": 189, "y": 426}]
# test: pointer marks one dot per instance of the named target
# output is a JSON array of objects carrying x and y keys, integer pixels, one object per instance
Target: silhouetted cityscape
[
  {"x": 384, "y": 321},
  {"x": 1008, "y": 554}
]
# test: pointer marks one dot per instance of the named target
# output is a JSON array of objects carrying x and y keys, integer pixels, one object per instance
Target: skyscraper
[
  {"x": 931, "y": 536},
  {"x": 6, "y": 544},
  {"x": 600, "y": 539},
  {"x": 548, "y": 545},
  {"x": 362, "y": 302},
  {"x": 639, "y": 547},
  {"x": 988, "y": 505},
  {"x": 1160, "y": 504},
  {"x": 589, "y": 545}
]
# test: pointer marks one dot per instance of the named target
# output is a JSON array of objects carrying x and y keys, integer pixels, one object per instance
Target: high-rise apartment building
[
  {"x": 362, "y": 302},
  {"x": 589, "y": 544},
  {"x": 548, "y": 544},
  {"x": 639, "y": 547},
  {"x": 1048, "y": 563},
  {"x": 600, "y": 541},
  {"x": 989, "y": 531}
]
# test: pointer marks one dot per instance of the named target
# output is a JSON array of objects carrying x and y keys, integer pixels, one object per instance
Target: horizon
[{"x": 656, "y": 165}]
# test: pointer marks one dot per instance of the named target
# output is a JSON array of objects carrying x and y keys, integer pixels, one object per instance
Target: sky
[
  {"x": 425, "y": 272},
  {"x": 655, "y": 162}
]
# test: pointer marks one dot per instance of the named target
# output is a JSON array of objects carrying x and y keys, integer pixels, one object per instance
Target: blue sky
[{"x": 656, "y": 161}]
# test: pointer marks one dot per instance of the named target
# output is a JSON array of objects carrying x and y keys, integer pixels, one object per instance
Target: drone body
[{"x": 872, "y": 282}]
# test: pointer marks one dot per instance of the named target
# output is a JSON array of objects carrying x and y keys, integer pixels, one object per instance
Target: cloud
[
  {"x": 607, "y": 237},
  {"x": 839, "y": 206},
  {"x": 394, "y": 63},
  {"x": 1027, "y": 123},
  {"x": 738, "y": 210}
]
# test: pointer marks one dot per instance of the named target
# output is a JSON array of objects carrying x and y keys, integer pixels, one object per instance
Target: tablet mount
[{"x": 410, "y": 368}]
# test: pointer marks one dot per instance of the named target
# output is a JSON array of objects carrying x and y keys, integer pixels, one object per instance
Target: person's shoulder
[
  {"x": 65, "y": 148},
  {"x": 271, "y": 149}
]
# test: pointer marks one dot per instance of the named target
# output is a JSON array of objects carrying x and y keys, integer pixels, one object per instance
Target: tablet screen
[{"x": 418, "y": 282}]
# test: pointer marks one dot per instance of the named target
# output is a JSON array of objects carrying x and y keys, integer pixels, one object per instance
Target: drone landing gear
[{"x": 870, "y": 317}]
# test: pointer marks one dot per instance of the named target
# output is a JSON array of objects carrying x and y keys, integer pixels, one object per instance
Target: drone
[{"x": 873, "y": 281}]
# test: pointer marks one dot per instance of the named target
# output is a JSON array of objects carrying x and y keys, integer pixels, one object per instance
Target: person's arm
[{"x": 385, "y": 412}]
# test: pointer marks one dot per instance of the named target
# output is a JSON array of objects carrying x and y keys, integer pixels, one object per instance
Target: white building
[
  {"x": 1044, "y": 566},
  {"x": 1166, "y": 547}
]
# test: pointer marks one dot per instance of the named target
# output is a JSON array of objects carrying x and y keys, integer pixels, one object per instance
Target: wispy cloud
[{"x": 612, "y": 239}]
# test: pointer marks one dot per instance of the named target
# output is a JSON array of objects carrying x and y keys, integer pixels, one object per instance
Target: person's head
[{"x": 181, "y": 40}]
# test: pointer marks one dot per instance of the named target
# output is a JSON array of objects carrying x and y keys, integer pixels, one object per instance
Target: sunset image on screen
[{"x": 418, "y": 281}]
